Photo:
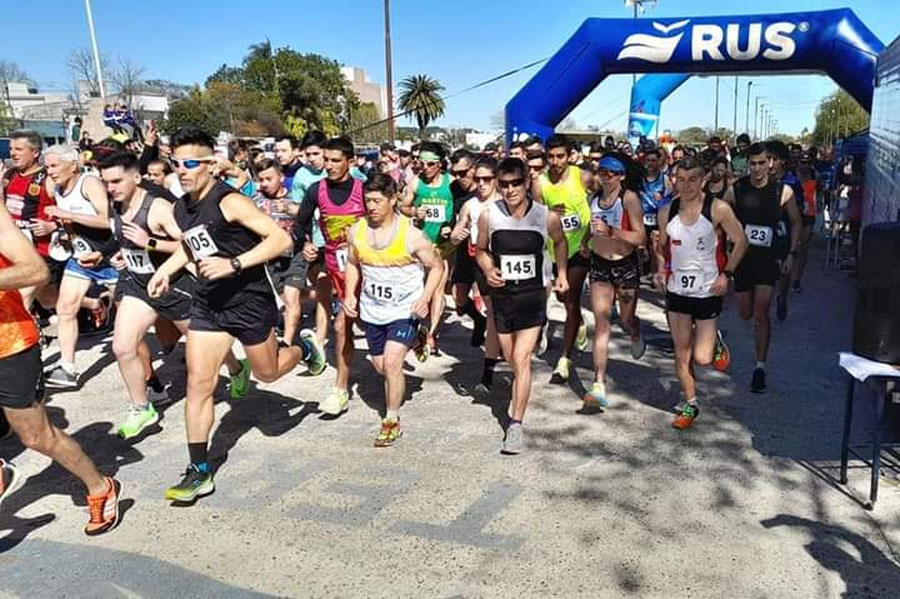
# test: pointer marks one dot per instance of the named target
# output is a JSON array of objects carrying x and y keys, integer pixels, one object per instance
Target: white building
[{"x": 368, "y": 91}]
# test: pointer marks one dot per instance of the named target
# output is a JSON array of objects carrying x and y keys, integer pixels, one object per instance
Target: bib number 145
[{"x": 518, "y": 268}]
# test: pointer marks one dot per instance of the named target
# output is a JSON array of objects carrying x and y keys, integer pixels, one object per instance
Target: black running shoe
[
  {"x": 758, "y": 383},
  {"x": 781, "y": 308}
]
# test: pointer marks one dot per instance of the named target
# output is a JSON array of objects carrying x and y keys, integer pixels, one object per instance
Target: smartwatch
[
  {"x": 236, "y": 265},
  {"x": 152, "y": 243},
  {"x": 729, "y": 274}
]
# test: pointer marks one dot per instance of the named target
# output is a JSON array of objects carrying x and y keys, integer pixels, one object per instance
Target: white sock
[
  {"x": 761, "y": 364},
  {"x": 692, "y": 401},
  {"x": 68, "y": 366},
  {"x": 393, "y": 415}
]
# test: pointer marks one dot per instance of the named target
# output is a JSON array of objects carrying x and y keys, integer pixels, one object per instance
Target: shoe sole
[
  {"x": 389, "y": 443},
  {"x": 338, "y": 413},
  {"x": 758, "y": 391},
  {"x": 115, "y": 522},
  {"x": 507, "y": 451},
  {"x": 640, "y": 354},
  {"x": 556, "y": 379},
  {"x": 594, "y": 404},
  {"x": 14, "y": 483},
  {"x": 61, "y": 384},
  {"x": 137, "y": 433},
  {"x": 201, "y": 491}
]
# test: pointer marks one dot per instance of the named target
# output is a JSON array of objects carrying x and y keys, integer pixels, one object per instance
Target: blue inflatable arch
[{"x": 834, "y": 42}]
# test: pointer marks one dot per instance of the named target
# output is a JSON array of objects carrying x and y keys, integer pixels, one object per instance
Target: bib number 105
[{"x": 200, "y": 242}]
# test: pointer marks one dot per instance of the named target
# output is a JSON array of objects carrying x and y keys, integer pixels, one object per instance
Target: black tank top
[
  {"x": 759, "y": 210},
  {"x": 137, "y": 258},
  {"x": 206, "y": 234},
  {"x": 715, "y": 194}
]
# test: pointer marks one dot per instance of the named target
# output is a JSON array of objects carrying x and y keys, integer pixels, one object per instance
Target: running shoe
[
  {"x": 315, "y": 362},
  {"x": 781, "y": 308},
  {"x": 389, "y": 434},
  {"x": 478, "y": 332},
  {"x": 137, "y": 421},
  {"x": 686, "y": 418},
  {"x": 513, "y": 442},
  {"x": 721, "y": 354},
  {"x": 420, "y": 345},
  {"x": 194, "y": 484},
  {"x": 543, "y": 340},
  {"x": 638, "y": 347},
  {"x": 796, "y": 287},
  {"x": 481, "y": 390},
  {"x": 104, "y": 509},
  {"x": 9, "y": 480},
  {"x": 680, "y": 406},
  {"x": 596, "y": 397},
  {"x": 560, "y": 374},
  {"x": 581, "y": 338},
  {"x": 758, "y": 382},
  {"x": 336, "y": 402},
  {"x": 240, "y": 382},
  {"x": 60, "y": 377},
  {"x": 158, "y": 396}
]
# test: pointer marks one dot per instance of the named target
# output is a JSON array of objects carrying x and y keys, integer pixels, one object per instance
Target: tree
[
  {"x": 421, "y": 97},
  {"x": 227, "y": 107},
  {"x": 10, "y": 73},
  {"x": 126, "y": 77},
  {"x": 194, "y": 110},
  {"x": 361, "y": 124},
  {"x": 837, "y": 116},
  {"x": 693, "y": 135},
  {"x": 82, "y": 68}
]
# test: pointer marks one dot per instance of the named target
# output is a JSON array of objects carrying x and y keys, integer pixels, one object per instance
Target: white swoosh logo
[{"x": 651, "y": 48}]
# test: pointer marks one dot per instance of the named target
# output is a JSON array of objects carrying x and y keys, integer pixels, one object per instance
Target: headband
[{"x": 612, "y": 164}]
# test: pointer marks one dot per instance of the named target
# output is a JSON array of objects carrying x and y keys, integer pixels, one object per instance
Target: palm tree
[{"x": 421, "y": 98}]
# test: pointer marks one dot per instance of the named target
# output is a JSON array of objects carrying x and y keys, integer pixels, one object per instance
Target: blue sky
[{"x": 459, "y": 42}]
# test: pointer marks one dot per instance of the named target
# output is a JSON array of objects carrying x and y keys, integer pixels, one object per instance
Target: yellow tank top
[{"x": 570, "y": 194}]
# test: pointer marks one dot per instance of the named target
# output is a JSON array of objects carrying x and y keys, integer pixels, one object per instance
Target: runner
[
  {"x": 430, "y": 201},
  {"x": 717, "y": 184},
  {"x": 512, "y": 254},
  {"x": 617, "y": 231},
  {"x": 340, "y": 201},
  {"x": 692, "y": 235},
  {"x": 809, "y": 183},
  {"x": 759, "y": 200},
  {"x": 466, "y": 232},
  {"x": 145, "y": 230},
  {"x": 561, "y": 190},
  {"x": 385, "y": 261},
  {"x": 229, "y": 240},
  {"x": 21, "y": 391},
  {"x": 656, "y": 191},
  {"x": 83, "y": 209}
]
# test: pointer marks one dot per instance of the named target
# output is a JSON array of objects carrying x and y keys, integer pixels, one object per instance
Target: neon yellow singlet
[{"x": 571, "y": 194}]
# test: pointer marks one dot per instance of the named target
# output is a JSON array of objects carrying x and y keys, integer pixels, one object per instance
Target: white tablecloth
[{"x": 862, "y": 368}]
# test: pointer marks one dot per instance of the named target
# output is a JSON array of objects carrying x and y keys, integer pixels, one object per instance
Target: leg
[
  {"x": 492, "y": 341},
  {"x": 392, "y": 369},
  {"x": 71, "y": 291},
  {"x": 292, "y": 312},
  {"x": 206, "y": 350},
  {"x": 37, "y": 433},
  {"x": 745, "y": 304},
  {"x": 682, "y": 329},
  {"x": 705, "y": 335},
  {"x": 628, "y": 311},
  {"x": 323, "y": 304},
  {"x": 881, "y": 399},
  {"x": 522, "y": 346},
  {"x": 802, "y": 255},
  {"x": 602, "y": 295},
  {"x": 438, "y": 304},
  {"x": 133, "y": 320},
  {"x": 343, "y": 332},
  {"x": 269, "y": 362},
  {"x": 573, "y": 308},
  {"x": 762, "y": 298}
]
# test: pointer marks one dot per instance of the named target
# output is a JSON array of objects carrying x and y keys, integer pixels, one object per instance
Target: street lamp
[
  {"x": 756, "y": 117},
  {"x": 389, "y": 69},
  {"x": 90, "y": 18},
  {"x": 747, "y": 112}
]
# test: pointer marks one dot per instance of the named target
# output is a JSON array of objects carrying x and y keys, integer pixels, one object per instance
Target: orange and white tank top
[{"x": 18, "y": 330}]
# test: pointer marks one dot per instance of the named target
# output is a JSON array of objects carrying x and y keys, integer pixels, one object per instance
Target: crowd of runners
[{"x": 176, "y": 239}]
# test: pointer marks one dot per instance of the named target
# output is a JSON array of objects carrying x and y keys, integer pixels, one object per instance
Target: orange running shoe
[
  {"x": 686, "y": 418},
  {"x": 721, "y": 354},
  {"x": 104, "y": 509}
]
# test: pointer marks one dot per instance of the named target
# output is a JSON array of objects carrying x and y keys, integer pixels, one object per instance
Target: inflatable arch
[{"x": 835, "y": 42}]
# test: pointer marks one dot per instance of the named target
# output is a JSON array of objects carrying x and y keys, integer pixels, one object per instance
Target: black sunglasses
[
  {"x": 486, "y": 179},
  {"x": 510, "y": 183},
  {"x": 460, "y": 173}
]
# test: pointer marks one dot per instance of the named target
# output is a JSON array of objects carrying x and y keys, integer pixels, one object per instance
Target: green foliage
[
  {"x": 194, "y": 110},
  {"x": 421, "y": 96},
  {"x": 360, "y": 121},
  {"x": 837, "y": 116}
]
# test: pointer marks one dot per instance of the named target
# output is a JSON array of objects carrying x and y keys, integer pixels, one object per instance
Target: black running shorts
[
  {"x": 698, "y": 308},
  {"x": 250, "y": 322},
  {"x": 624, "y": 273},
  {"x": 22, "y": 379},
  {"x": 519, "y": 310}
]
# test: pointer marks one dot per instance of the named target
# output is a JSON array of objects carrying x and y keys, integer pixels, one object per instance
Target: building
[{"x": 368, "y": 91}]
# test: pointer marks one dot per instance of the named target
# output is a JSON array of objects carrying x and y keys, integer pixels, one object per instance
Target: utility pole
[
  {"x": 716, "y": 125},
  {"x": 734, "y": 127},
  {"x": 389, "y": 74},
  {"x": 747, "y": 112},
  {"x": 756, "y": 118},
  {"x": 90, "y": 18}
]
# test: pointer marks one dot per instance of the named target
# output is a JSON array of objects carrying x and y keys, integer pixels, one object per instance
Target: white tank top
[
  {"x": 476, "y": 208},
  {"x": 694, "y": 253},
  {"x": 75, "y": 201},
  {"x": 614, "y": 216}
]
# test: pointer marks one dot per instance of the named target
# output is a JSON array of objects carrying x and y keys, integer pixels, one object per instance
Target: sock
[
  {"x": 392, "y": 415},
  {"x": 487, "y": 375},
  {"x": 68, "y": 366},
  {"x": 197, "y": 453},
  {"x": 513, "y": 421},
  {"x": 154, "y": 383},
  {"x": 692, "y": 401},
  {"x": 761, "y": 364}
]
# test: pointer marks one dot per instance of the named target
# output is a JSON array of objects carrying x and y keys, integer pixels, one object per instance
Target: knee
[
  {"x": 760, "y": 317},
  {"x": 745, "y": 313},
  {"x": 703, "y": 359},
  {"x": 67, "y": 307},
  {"x": 124, "y": 349},
  {"x": 40, "y": 440},
  {"x": 392, "y": 366},
  {"x": 200, "y": 386},
  {"x": 266, "y": 376}
]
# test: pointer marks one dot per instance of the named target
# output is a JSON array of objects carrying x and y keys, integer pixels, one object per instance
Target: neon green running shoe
[
  {"x": 240, "y": 382},
  {"x": 137, "y": 421},
  {"x": 194, "y": 484},
  {"x": 596, "y": 397},
  {"x": 315, "y": 359},
  {"x": 581, "y": 339},
  {"x": 389, "y": 434},
  {"x": 336, "y": 402}
]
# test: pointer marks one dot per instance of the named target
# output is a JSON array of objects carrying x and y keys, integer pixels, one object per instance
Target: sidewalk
[{"x": 616, "y": 504}]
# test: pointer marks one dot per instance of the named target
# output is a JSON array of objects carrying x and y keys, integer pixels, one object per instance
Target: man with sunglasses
[
  {"x": 512, "y": 254},
  {"x": 561, "y": 189},
  {"x": 430, "y": 201},
  {"x": 229, "y": 240},
  {"x": 463, "y": 188}
]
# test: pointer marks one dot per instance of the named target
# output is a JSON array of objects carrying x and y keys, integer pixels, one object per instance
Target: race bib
[
  {"x": 138, "y": 261},
  {"x": 687, "y": 281},
  {"x": 341, "y": 256},
  {"x": 570, "y": 222},
  {"x": 519, "y": 267},
  {"x": 80, "y": 247},
  {"x": 435, "y": 213},
  {"x": 651, "y": 219},
  {"x": 758, "y": 235},
  {"x": 381, "y": 292},
  {"x": 15, "y": 204},
  {"x": 200, "y": 242}
]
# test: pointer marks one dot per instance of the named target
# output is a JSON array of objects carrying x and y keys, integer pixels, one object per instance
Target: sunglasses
[
  {"x": 607, "y": 174},
  {"x": 487, "y": 179},
  {"x": 431, "y": 163},
  {"x": 460, "y": 173},
  {"x": 535, "y": 167},
  {"x": 190, "y": 163},
  {"x": 506, "y": 184}
]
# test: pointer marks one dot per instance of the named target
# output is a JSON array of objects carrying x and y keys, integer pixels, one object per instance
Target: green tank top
[
  {"x": 438, "y": 204},
  {"x": 570, "y": 194}
]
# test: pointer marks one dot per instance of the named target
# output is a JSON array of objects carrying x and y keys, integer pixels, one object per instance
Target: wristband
[{"x": 236, "y": 265}]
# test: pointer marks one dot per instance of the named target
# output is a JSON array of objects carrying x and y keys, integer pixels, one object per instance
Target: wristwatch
[
  {"x": 152, "y": 243},
  {"x": 236, "y": 265},
  {"x": 729, "y": 274}
]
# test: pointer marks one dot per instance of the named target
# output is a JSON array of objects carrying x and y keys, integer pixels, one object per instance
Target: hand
[
  {"x": 659, "y": 281},
  {"x": 561, "y": 285},
  {"x": 215, "y": 268},
  {"x": 310, "y": 252},
  {"x": 152, "y": 135},
  {"x": 349, "y": 305},
  {"x": 495, "y": 278},
  {"x": 420, "y": 213},
  {"x": 42, "y": 228},
  {"x": 445, "y": 232},
  {"x": 787, "y": 264},
  {"x": 600, "y": 228},
  {"x": 459, "y": 234},
  {"x": 117, "y": 261},
  {"x": 158, "y": 285},
  {"x": 559, "y": 209},
  {"x": 135, "y": 234},
  {"x": 55, "y": 212},
  {"x": 91, "y": 259},
  {"x": 420, "y": 307},
  {"x": 720, "y": 285}
]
